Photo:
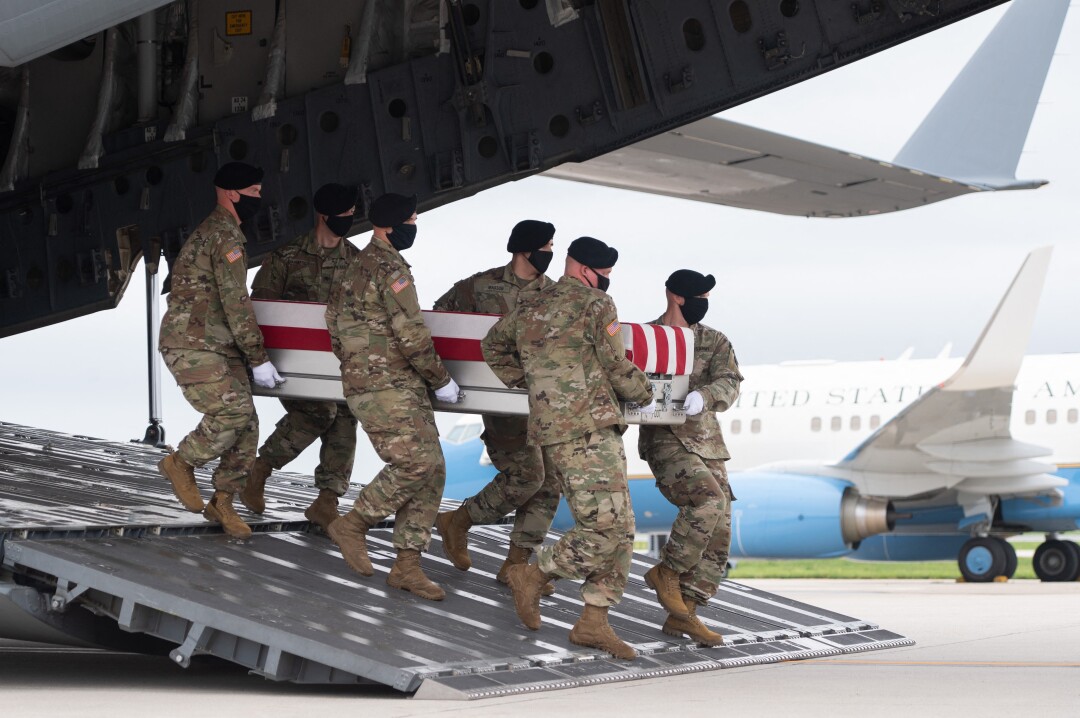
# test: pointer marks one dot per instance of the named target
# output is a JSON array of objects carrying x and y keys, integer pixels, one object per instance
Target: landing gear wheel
[
  {"x": 1075, "y": 547},
  {"x": 1010, "y": 557},
  {"x": 982, "y": 559},
  {"x": 1054, "y": 560}
]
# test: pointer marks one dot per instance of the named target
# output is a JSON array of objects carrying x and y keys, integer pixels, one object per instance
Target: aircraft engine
[{"x": 797, "y": 516}]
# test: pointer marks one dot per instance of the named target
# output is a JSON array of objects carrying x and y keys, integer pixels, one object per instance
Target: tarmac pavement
[{"x": 1010, "y": 649}]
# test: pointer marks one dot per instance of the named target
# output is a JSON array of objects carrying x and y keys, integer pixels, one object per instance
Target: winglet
[
  {"x": 995, "y": 360},
  {"x": 976, "y": 131}
]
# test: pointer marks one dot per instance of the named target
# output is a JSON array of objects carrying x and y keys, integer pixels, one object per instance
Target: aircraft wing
[
  {"x": 957, "y": 435},
  {"x": 724, "y": 162},
  {"x": 969, "y": 142}
]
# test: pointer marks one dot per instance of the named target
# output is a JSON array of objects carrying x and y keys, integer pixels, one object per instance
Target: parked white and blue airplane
[{"x": 889, "y": 460}]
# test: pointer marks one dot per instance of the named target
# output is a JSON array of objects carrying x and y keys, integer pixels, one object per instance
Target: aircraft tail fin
[{"x": 1002, "y": 81}]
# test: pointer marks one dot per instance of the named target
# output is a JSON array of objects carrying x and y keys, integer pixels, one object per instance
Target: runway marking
[{"x": 994, "y": 664}]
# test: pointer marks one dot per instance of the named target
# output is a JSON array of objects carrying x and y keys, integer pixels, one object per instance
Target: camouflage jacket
[
  {"x": 495, "y": 291},
  {"x": 716, "y": 376},
  {"x": 376, "y": 328},
  {"x": 209, "y": 308},
  {"x": 564, "y": 345},
  {"x": 302, "y": 271}
]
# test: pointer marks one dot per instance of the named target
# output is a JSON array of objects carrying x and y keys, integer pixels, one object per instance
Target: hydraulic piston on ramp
[{"x": 95, "y": 548}]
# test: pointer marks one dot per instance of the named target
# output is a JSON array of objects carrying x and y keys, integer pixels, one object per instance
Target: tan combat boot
[
  {"x": 252, "y": 493},
  {"x": 407, "y": 575},
  {"x": 220, "y": 510},
  {"x": 453, "y": 527},
  {"x": 692, "y": 627},
  {"x": 592, "y": 630},
  {"x": 323, "y": 510},
  {"x": 519, "y": 556},
  {"x": 527, "y": 583},
  {"x": 182, "y": 477},
  {"x": 665, "y": 582},
  {"x": 348, "y": 532}
]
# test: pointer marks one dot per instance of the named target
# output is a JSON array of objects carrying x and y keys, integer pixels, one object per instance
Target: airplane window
[
  {"x": 1029, "y": 417},
  {"x": 455, "y": 434},
  {"x": 815, "y": 424},
  {"x": 736, "y": 426},
  {"x": 856, "y": 423},
  {"x": 1072, "y": 416},
  {"x": 473, "y": 431},
  {"x": 755, "y": 426},
  {"x": 1051, "y": 416},
  {"x": 836, "y": 423},
  {"x": 875, "y": 421}
]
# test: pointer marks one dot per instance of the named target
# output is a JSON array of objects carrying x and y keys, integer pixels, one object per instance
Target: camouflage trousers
[
  {"x": 591, "y": 471},
  {"x": 701, "y": 535},
  {"x": 401, "y": 426},
  {"x": 218, "y": 387},
  {"x": 519, "y": 486},
  {"x": 306, "y": 421}
]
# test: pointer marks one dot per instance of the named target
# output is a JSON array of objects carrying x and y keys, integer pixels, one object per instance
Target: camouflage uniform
[
  {"x": 304, "y": 271},
  {"x": 388, "y": 361},
  {"x": 520, "y": 482},
  {"x": 688, "y": 463},
  {"x": 564, "y": 346},
  {"x": 207, "y": 335}
]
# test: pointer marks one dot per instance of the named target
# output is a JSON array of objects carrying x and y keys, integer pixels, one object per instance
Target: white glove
[
  {"x": 266, "y": 376},
  {"x": 694, "y": 403},
  {"x": 648, "y": 408},
  {"x": 449, "y": 393}
]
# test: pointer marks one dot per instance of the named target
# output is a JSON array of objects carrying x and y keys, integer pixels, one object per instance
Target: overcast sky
[{"x": 789, "y": 288}]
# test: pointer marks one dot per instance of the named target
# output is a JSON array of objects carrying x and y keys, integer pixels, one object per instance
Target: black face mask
[
  {"x": 339, "y": 225},
  {"x": 602, "y": 282},
  {"x": 403, "y": 236},
  {"x": 694, "y": 309},
  {"x": 246, "y": 207},
  {"x": 540, "y": 260}
]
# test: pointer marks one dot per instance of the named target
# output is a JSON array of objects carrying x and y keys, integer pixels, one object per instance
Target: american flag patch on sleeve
[
  {"x": 613, "y": 328},
  {"x": 399, "y": 284},
  {"x": 234, "y": 254}
]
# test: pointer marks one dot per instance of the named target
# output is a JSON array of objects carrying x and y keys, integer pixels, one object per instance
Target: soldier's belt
[{"x": 298, "y": 341}]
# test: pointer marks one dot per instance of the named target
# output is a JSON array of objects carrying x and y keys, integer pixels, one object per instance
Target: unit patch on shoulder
[
  {"x": 234, "y": 254},
  {"x": 613, "y": 328},
  {"x": 399, "y": 284}
]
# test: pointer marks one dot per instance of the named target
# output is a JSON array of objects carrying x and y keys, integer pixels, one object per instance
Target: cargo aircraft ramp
[{"x": 96, "y": 551}]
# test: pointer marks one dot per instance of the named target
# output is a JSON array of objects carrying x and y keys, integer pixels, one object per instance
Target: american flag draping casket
[{"x": 299, "y": 345}]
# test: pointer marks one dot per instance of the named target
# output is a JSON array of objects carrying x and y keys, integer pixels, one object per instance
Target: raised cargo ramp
[{"x": 89, "y": 527}]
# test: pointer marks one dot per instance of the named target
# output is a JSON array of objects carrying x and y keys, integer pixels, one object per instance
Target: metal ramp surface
[{"x": 90, "y": 533}]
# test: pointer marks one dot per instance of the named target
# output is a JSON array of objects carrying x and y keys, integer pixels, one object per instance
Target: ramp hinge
[
  {"x": 66, "y": 592},
  {"x": 198, "y": 637}
]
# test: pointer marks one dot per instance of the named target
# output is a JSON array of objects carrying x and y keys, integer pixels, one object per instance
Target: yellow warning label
[{"x": 238, "y": 23}]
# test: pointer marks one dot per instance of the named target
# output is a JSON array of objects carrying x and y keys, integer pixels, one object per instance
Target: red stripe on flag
[
  {"x": 640, "y": 353},
  {"x": 316, "y": 340},
  {"x": 453, "y": 349},
  {"x": 661, "y": 349},
  {"x": 680, "y": 352}
]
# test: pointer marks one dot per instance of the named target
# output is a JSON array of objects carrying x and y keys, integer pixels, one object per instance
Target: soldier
[
  {"x": 207, "y": 334},
  {"x": 564, "y": 346},
  {"x": 518, "y": 484},
  {"x": 388, "y": 361},
  {"x": 305, "y": 271},
  {"x": 688, "y": 463}
]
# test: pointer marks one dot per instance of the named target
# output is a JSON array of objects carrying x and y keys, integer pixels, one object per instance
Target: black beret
[
  {"x": 593, "y": 253},
  {"x": 334, "y": 199},
  {"x": 237, "y": 175},
  {"x": 529, "y": 235},
  {"x": 391, "y": 209},
  {"x": 688, "y": 283}
]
